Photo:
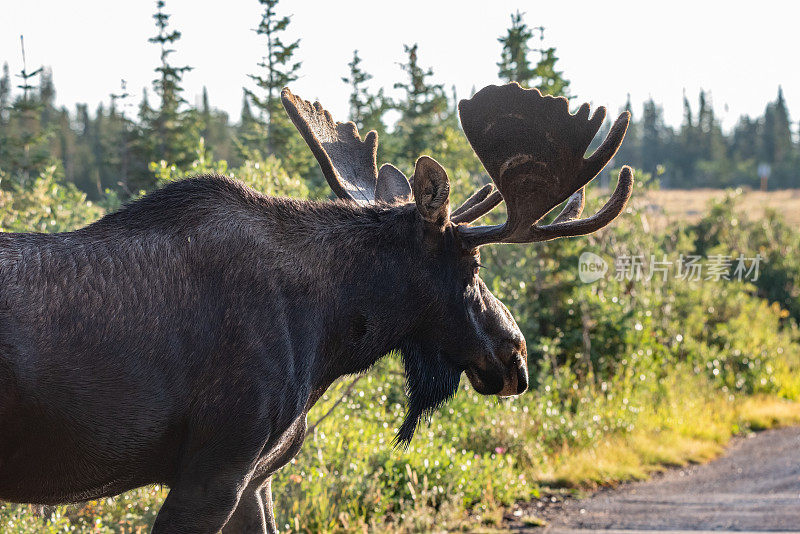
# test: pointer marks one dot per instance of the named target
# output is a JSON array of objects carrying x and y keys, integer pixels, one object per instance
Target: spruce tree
[
  {"x": 279, "y": 70},
  {"x": 653, "y": 137},
  {"x": 549, "y": 80},
  {"x": 713, "y": 144},
  {"x": 216, "y": 131},
  {"x": 514, "y": 64},
  {"x": 5, "y": 108},
  {"x": 24, "y": 145},
  {"x": 102, "y": 149},
  {"x": 5, "y": 93},
  {"x": 124, "y": 129},
  {"x": 63, "y": 146},
  {"x": 775, "y": 146},
  {"x": 145, "y": 108},
  {"x": 366, "y": 109},
  {"x": 248, "y": 125},
  {"x": 250, "y": 140},
  {"x": 86, "y": 166},
  {"x": 782, "y": 129},
  {"x": 423, "y": 109},
  {"x": 175, "y": 129},
  {"x": 631, "y": 149},
  {"x": 705, "y": 122},
  {"x": 687, "y": 153},
  {"x": 143, "y": 147},
  {"x": 205, "y": 115},
  {"x": 47, "y": 97},
  {"x": 744, "y": 139}
]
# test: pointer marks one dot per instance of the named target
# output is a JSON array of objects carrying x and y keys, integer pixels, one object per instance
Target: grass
[
  {"x": 762, "y": 413},
  {"x": 666, "y": 206},
  {"x": 699, "y": 436},
  {"x": 631, "y": 457},
  {"x": 683, "y": 428}
]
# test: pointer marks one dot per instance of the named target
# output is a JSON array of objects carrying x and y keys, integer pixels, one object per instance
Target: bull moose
[{"x": 183, "y": 339}]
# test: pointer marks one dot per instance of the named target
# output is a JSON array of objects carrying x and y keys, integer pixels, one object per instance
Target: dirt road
[{"x": 755, "y": 486}]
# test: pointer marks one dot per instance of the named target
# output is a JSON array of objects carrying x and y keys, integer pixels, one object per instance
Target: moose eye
[
  {"x": 474, "y": 272},
  {"x": 470, "y": 274}
]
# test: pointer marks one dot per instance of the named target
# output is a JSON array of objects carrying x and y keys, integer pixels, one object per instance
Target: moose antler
[
  {"x": 348, "y": 163},
  {"x": 480, "y": 203},
  {"x": 533, "y": 148}
]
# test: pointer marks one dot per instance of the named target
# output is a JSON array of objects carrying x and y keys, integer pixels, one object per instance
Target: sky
[{"x": 739, "y": 51}]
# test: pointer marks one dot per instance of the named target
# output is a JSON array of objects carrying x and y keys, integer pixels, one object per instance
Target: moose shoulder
[{"x": 183, "y": 339}]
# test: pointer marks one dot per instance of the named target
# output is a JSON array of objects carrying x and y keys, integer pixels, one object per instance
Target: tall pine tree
[
  {"x": 279, "y": 69},
  {"x": 514, "y": 64},
  {"x": 5, "y": 109},
  {"x": 630, "y": 151},
  {"x": 781, "y": 134},
  {"x": 687, "y": 152},
  {"x": 249, "y": 131},
  {"x": 422, "y": 108},
  {"x": 744, "y": 139},
  {"x": 85, "y": 164},
  {"x": 654, "y": 137},
  {"x": 366, "y": 108},
  {"x": 123, "y": 129},
  {"x": 776, "y": 143},
  {"x": 47, "y": 97},
  {"x": 216, "y": 130},
  {"x": 5, "y": 93},
  {"x": 24, "y": 142},
  {"x": 549, "y": 80},
  {"x": 170, "y": 133}
]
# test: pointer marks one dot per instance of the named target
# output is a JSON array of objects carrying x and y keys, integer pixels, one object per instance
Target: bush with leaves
[
  {"x": 44, "y": 204},
  {"x": 266, "y": 174}
]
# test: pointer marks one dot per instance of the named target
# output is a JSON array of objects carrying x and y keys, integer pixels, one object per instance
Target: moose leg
[
  {"x": 201, "y": 502},
  {"x": 272, "y": 528},
  {"x": 254, "y": 513}
]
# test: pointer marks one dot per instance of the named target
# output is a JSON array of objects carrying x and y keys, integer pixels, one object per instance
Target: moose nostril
[
  {"x": 522, "y": 379},
  {"x": 519, "y": 359},
  {"x": 512, "y": 351}
]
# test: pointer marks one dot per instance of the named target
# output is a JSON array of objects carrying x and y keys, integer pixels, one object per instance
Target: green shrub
[{"x": 44, "y": 204}]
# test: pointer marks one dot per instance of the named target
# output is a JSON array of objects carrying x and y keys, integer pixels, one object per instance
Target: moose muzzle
[
  {"x": 504, "y": 373},
  {"x": 515, "y": 380}
]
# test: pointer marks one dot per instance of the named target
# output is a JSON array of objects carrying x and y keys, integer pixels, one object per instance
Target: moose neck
[{"x": 354, "y": 265}]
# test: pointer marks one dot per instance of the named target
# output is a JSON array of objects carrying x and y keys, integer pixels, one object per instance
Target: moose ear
[
  {"x": 431, "y": 191},
  {"x": 392, "y": 185}
]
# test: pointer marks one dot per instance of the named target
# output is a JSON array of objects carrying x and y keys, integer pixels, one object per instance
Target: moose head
[{"x": 533, "y": 150}]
